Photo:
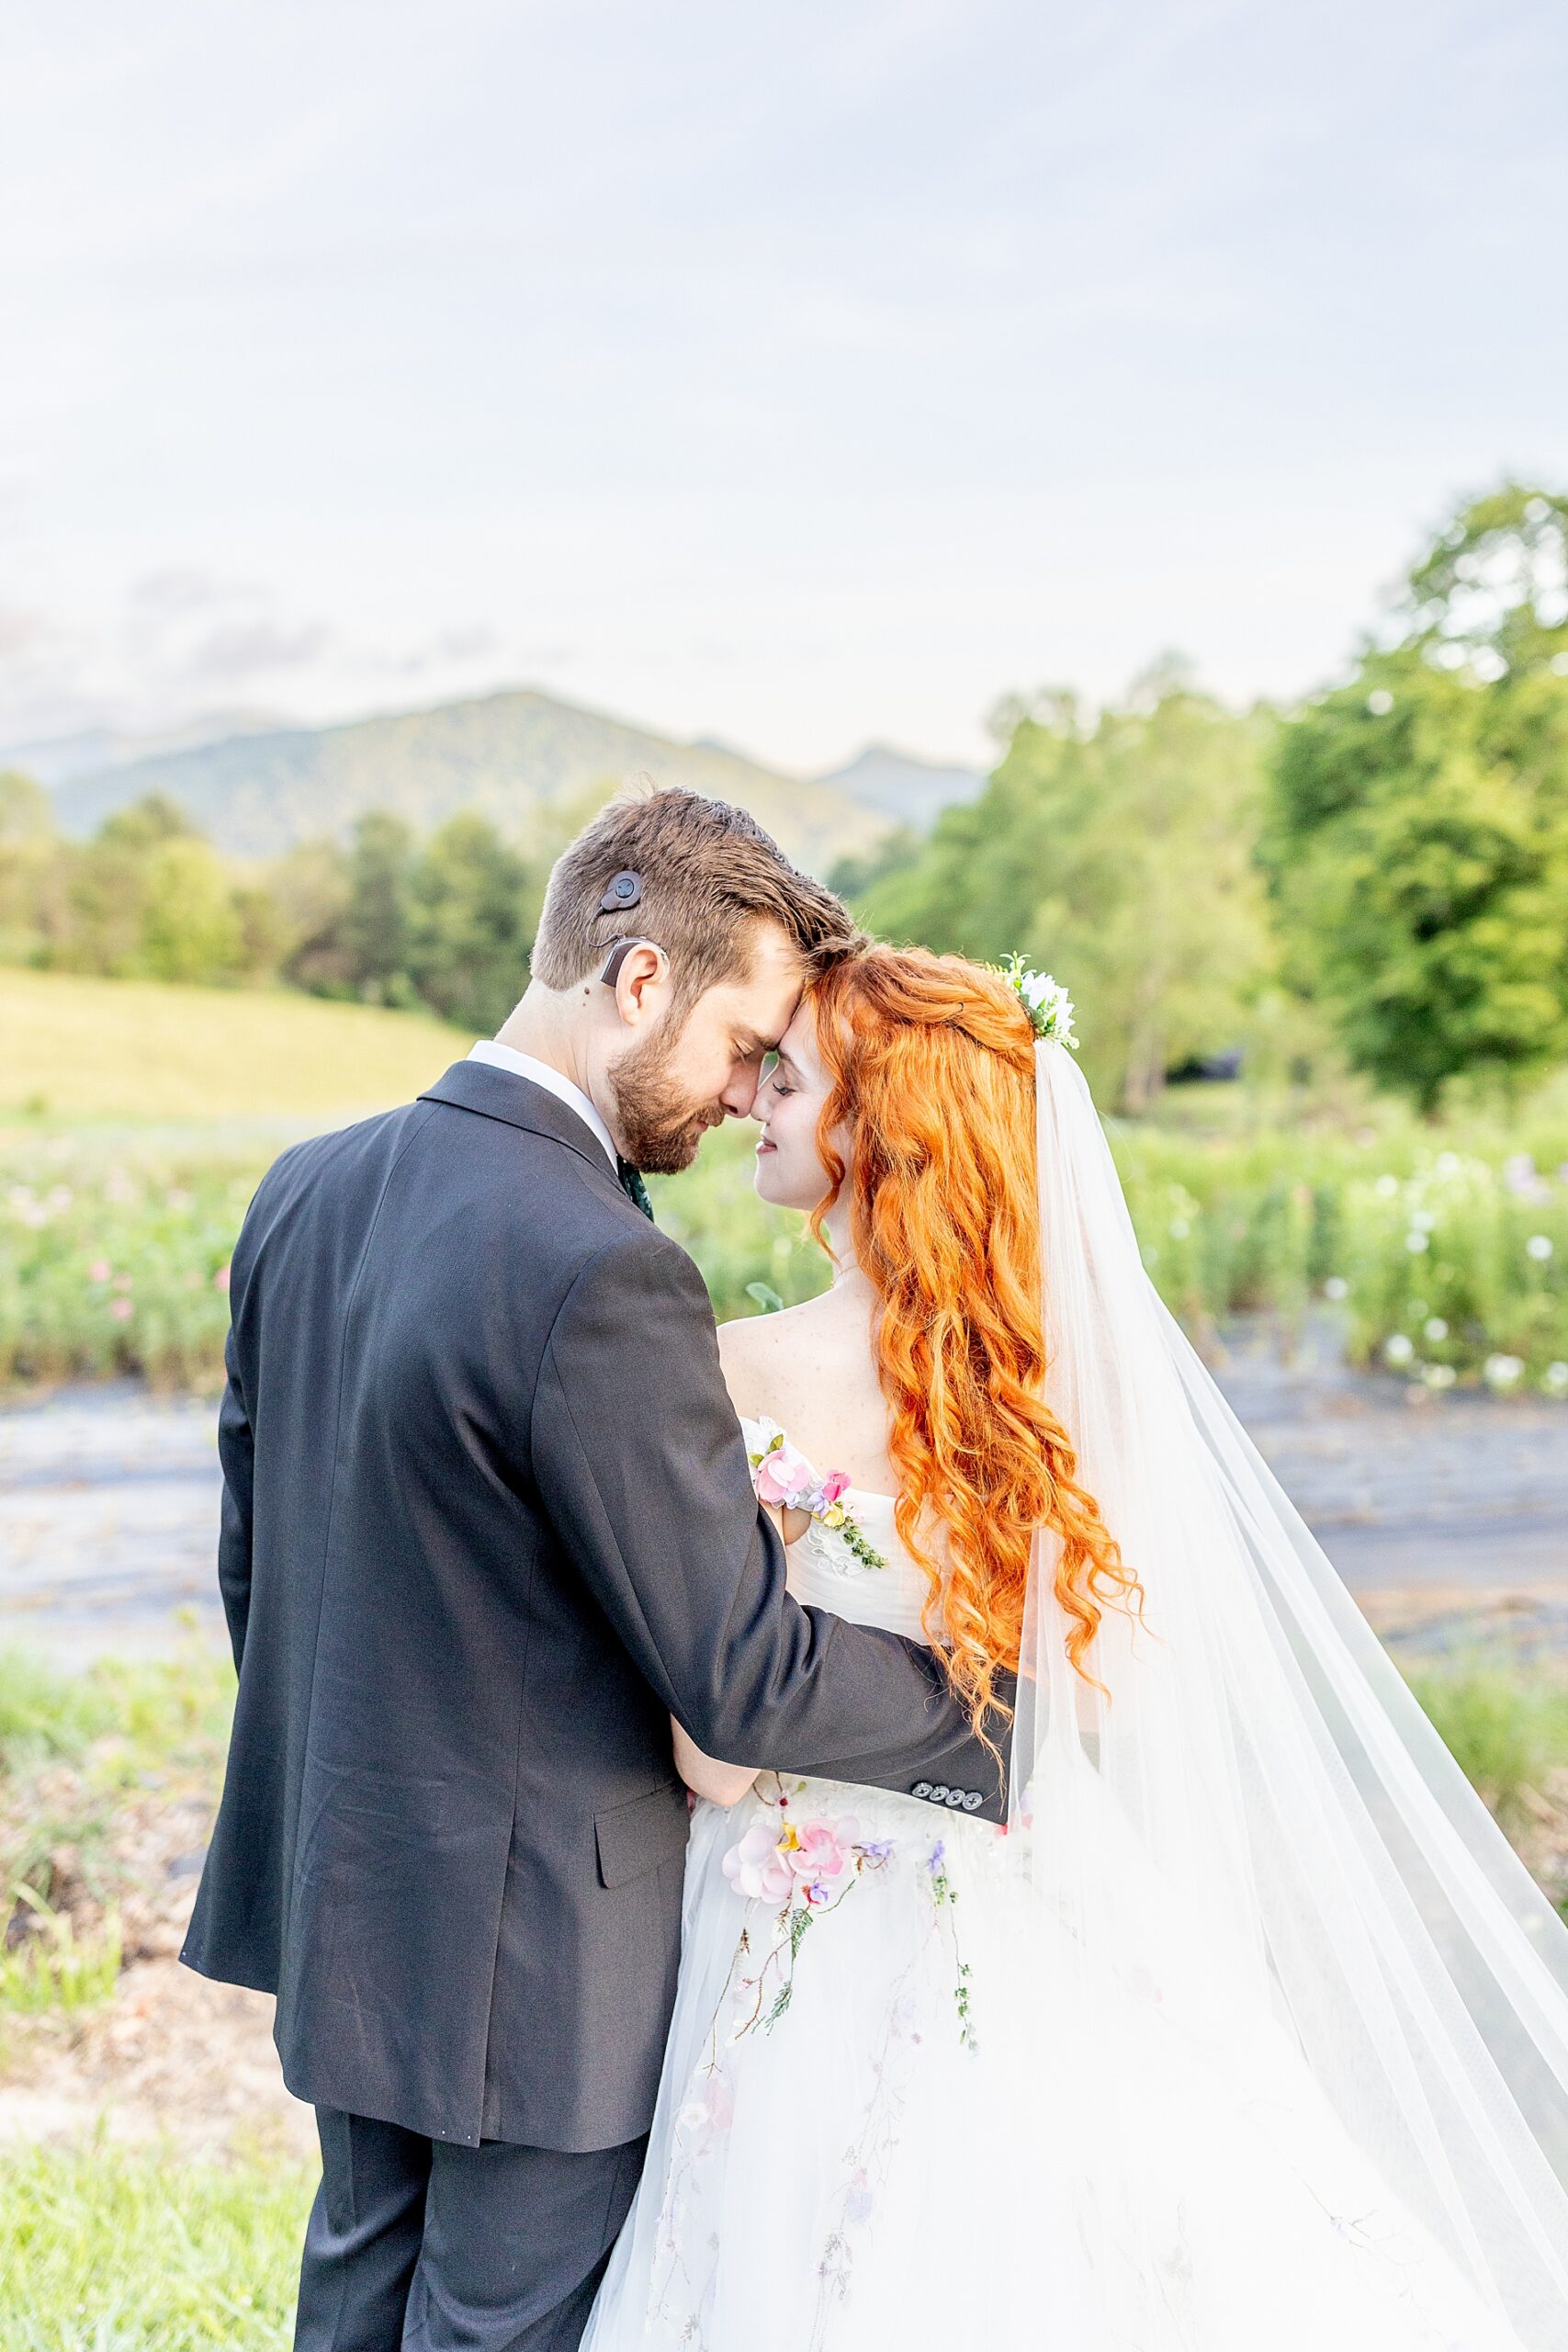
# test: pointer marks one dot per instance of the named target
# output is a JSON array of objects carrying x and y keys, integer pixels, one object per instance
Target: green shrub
[
  {"x": 1507, "y": 1728},
  {"x": 1446, "y": 1251}
]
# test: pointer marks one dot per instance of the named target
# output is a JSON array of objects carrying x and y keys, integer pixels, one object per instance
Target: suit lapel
[{"x": 505, "y": 1095}]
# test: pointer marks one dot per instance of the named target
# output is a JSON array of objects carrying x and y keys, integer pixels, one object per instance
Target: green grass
[
  {"x": 104, "y": 2249},
  {"x": 82, "y": 1048},
  {"x": 43, "y": 1714},
  {"x": 1507, "y": 1728},
  {"x": 73, "y": 1750},
  {"x": 52, "y": 1972}
]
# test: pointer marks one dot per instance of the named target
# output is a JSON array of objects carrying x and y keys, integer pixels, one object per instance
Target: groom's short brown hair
[{"x": 709, "y": 874}]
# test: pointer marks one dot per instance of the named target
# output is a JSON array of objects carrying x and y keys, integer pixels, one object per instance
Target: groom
[{"x": 488, "y": 1523}]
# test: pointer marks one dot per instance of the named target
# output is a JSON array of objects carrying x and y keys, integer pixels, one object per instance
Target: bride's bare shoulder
[{"x": 758, "y": 1352}]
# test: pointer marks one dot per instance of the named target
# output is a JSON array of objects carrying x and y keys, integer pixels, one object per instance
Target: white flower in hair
[{"x": 1045, "y": 1000}]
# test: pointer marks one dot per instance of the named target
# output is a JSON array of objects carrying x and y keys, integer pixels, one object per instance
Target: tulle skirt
[{"x": 892, "y": 2118}]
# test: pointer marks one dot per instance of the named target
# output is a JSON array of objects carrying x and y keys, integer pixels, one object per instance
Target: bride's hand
[{"x": 723, "y": 1784}]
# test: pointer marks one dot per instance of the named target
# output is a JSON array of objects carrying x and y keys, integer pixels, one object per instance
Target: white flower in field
[
  {"x": 1556, "y": 1380},
  {"x": 1386, "y": 1187},
  {"x": 1380, "y": 702},
  {"x": 1539, "y": 1247},
  {"x": 1398, "y": 1349},
  {"x": 1503, "y": 1372},
  {"x": 1422, "y": 1220},
  {"x": 1435, "y": 1328},
  {"x": 1447, "y": 1163},
  {"x": 1439, "y": 1376},
  {"x": 1336, "y": 1287},
  {"x": 1180, "y": 1228},
  {"x": 1418, "y": 1242},
  {"x": 1523, "y": 1178}
]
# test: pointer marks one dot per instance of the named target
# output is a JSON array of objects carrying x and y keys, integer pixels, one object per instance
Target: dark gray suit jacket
[{"x": 488, "y": 1522}]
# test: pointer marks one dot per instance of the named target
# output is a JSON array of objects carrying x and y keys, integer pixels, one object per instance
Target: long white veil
[{"x": 1259, "y": 1842}]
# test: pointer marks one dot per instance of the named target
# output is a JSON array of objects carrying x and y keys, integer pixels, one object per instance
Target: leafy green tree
[
  {"x": 376, "y": 931},
  {"x": 1118, "y": 854},
  {"x": 190, "y": 924},
  {"x": 149, "y": 898},
  {"x": 1417, "y": 841},
  {"x": 29, "y": 861},
  {"x": 474, "y": 906},
  {"x": 107, "y": 891},
  {"x": 310, "y": 887},
  {"x": 855, "y": 875}
]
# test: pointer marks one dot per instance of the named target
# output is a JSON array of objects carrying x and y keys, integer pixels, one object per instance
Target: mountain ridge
[{"x": 526, "y": 760}]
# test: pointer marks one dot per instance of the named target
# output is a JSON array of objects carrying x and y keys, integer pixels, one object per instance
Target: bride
[{"x": 1249, "y": 2029}]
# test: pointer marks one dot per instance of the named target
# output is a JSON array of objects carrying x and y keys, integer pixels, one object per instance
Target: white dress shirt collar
[{"x": 553, "y": 1081}]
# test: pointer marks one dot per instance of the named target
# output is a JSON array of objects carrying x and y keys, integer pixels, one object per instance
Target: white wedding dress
[
  {"x": 1248, "y": 2034},
  {"x": 894, "y": 2118}
]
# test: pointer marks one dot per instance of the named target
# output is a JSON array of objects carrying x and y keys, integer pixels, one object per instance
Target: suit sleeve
[
  {"x": 642, "y": 1470},
  {"x": 236, "y": 1453}
]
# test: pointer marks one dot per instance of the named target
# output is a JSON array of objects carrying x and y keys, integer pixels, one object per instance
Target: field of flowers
[
  {"x": 1447, "y": 1257},
  {"x": 1445, "y": 1254}
]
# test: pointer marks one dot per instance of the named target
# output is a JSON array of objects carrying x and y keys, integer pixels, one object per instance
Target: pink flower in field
[
  {"x": 122, "y": 1311},
  {"x": 835, "y": 1484},
  {"x": 100, "y": 1270},
  {"x": 822, "y": 1856},
  {"x": 221, "y": 1279},
  {"x": 783, "y": 1474},
  {"x": 756, "y": 1867}
]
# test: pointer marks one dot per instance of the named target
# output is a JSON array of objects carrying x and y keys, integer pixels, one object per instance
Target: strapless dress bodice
[{"x": 824, "y": 1572}]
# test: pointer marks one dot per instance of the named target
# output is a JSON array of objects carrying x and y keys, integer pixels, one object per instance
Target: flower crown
[{"x": 1047, "y": 1003}]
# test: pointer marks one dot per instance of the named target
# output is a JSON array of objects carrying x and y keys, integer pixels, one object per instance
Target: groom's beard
[{"x": 660, "y": 1125}]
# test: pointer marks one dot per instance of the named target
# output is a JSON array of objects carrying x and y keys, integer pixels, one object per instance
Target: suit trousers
[{"x": 420, "y": 2242}]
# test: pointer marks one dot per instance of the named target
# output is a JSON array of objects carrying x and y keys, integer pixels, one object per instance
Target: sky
[{"x": 790, "y": 375}]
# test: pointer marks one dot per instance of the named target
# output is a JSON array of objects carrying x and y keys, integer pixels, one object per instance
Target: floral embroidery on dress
[
  {"x": 797, "y": 1872},
  {"x": 784, "y": 1478},
  {"x": 808, "y": 1868}
]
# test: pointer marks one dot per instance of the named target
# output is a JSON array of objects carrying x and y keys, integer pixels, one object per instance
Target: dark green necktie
[{"x": 632, "y": 1186}]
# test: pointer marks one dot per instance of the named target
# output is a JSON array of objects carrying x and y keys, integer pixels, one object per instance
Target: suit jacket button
[
  {"x": 921, "y": 1788},
  {"x": 938, "y": 1794}
]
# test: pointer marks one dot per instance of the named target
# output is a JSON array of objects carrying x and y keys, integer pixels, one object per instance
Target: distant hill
[
  {"x": 524, "y": 760},
  {"x": 902, "y": 788},
  {"x": 58, "y": 758}
]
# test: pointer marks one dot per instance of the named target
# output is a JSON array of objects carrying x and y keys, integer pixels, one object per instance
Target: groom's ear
[{"x": 637, "y": 974}]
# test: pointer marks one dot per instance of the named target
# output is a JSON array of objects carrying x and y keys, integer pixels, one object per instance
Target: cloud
[
  {"x": 245, "y": 651},
  {"x": 178, "y": 589},
  {"x": 23, "y": 635}
]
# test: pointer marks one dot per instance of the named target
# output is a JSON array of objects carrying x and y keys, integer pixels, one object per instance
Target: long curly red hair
[{"x": 931, "y": 1060}]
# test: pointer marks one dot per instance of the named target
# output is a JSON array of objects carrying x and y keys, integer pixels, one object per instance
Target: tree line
[
  {"x": 445, "y": 924},
  {"x": 1380, "y": 875}
]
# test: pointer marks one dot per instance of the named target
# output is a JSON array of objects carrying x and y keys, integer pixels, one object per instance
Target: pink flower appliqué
[
  {"x": 783, "y": 1474},
  {"x": 823, "y": 1853},
  {"x": 835, "y": 1484},
  {"x": 757, "y": 1867}
]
